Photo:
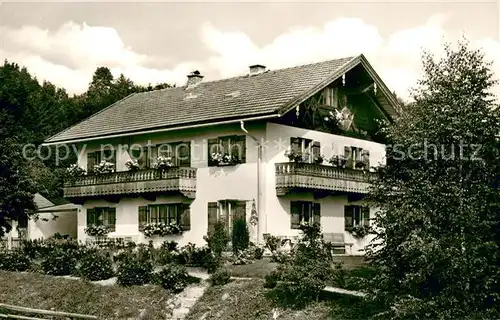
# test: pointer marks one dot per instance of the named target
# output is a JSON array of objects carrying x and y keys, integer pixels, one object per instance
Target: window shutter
[
  {"x": 111, "y": 219},
  {"x": 239, "y": 211},
  {"x": 295, "y": 144},
  {"x": 110, "y": 156},
  {"x": 366, "y": 215},
  {"x": 295, "y": 217},
  {"x": 365, "y": 157},
  {"x": 317, "y": 213},
  {"x": 212, "y": 148},
  {"x": 150, "y": 158},
  {"x": 348, "y": 217},
  {"x": 348, "y": 157},
  {"x": 143, "y": 217},
  {"x": 184, "y": 151},
  {"x": 91, "y": 161},
  {"x": 238, "y": 148},
  {"x": 185, "y": 219},
  {"x": 316, "y": 149},
  {"x": 212, "y": 216},
  {"x": 90, "y": 217}
]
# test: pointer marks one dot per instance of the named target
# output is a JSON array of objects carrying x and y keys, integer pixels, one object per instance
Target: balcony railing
[
  {"x": 314, "y": 177},
  {"x": 178, "y": 179}
]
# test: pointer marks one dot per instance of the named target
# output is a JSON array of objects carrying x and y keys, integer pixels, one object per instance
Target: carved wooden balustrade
[
  {"x": 175, "y": 179},
  {"x": 314, "y": 177}
]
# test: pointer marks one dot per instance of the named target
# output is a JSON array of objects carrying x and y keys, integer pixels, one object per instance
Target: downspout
[{"x": 259, "y": 161}]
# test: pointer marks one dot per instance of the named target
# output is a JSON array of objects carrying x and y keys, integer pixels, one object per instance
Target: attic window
[
  {"x": 233, "y": 94},
  {"x": 190, "y": 96}
]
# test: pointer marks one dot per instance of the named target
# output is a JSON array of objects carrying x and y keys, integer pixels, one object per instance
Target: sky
[{"x": 157, "y": 42}]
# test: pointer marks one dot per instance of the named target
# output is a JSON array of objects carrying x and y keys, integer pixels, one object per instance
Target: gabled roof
[
  {"x": 41, "y": 201},
  {"x": 61, "y": 207},
  {"x": 271, "y": 93}
]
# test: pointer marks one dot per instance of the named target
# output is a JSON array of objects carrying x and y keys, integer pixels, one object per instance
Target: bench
[{"x": 337, "y": 240}]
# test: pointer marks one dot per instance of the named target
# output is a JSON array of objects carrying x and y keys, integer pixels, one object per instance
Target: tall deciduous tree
[{"x": 438, "y": 246}]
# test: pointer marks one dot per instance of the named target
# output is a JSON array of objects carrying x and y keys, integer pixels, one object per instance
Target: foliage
[
  {"x": 96, "y": 230},
  {"x": 75, "y": 171},
  {"x": 134, "y": 269},
  {"x": 172, "y": 277},
  {"x": 218, "y": 239},
  {"x": 161, "y": 229},
  {"x": 301, "y": 278},
  {"x": 197, "y": 257},
  {"x": 359, "y": 231},
  {"x": 258, "y": 252},
  {"x": 244, "y": 256},
  {"x": 220, "y": 277},
  {"x": 132, "y": 165},
  {"x": 272, "y": 242},
  {"x": 59, "y": 262},
  {"x": 104, "y": 167},
  {"x": 163, "y": 163},
  {"x": 271, "y": 279},
  {"x": 95, "y": 265},
  {"x": 437, "y": 246},
  {"x": 224, "y": 159},
  {"x": 240, "y": 236},
  {"x": 338, "y": 161},
  {"x": 170, "y": 245},
  {"x": 14, "y": 260},
  {"x": 296, "y": 156},
  {"x": 318, "y": 159}
]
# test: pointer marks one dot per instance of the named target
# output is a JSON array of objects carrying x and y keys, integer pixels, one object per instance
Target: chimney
[
  {"x": 257, "y": 68},
  {"x": 194, "y": 78}
]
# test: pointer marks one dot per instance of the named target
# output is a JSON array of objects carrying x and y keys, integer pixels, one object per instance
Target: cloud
[{"x": 69, "y": 55}]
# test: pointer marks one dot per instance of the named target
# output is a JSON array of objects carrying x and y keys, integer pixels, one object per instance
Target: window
[
  {"x": 180, "y": 152},
  {"x": 355, "y": 215},
  {"x": 227, "y": 211},
  {"x": 357, "y": 158},
  {"x": 102, "y": 217},
  {"x": 167, "y": 213},
  {"x": 330, "y": 97},
  {"x": 307, "y": 147},
  {"x": 235, "y": 146},
  {"x": 304, "y": 212},
  {"x": 22, "y": 222},
  {"x": 94, "y": 158}
]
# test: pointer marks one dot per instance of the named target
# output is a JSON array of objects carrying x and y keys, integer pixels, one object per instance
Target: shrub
[
  {"x": 272, "y": 242},
  {"x": 172, "y": 277},
  {"x": 220, "y": 277},
  {"x": 95, "y": 265},
  {"x": 170, "y": 245},
  {"x": 280, "y": 256},
  {"x": 59, "y": 262},
  {"x": 243, "y": 257},
  {"x": 258, "y": 253},
  {"x": 134, "y": 270},
  {"x": 14, "y": 260},
  {"x": 306, "y": 272},
  {"x": 271, "y": 279},
  {"x": 240, "y": 236},
  {"x": 218, "y": 239}
]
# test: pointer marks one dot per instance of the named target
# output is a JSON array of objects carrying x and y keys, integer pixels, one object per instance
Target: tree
[
  {"x": 437, "y": 245},
  {"x": 240, "y": 237}
]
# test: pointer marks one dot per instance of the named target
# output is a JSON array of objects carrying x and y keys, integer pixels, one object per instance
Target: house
[
  {"x": 48, "y": 220},
  {"x": 254, "y": 147}
]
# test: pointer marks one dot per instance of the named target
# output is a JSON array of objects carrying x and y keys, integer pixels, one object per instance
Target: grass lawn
[
  {"x": 39, "y": 291},
  {"x": 244, "y": 300},
  {"x": 258, "y": 269}
]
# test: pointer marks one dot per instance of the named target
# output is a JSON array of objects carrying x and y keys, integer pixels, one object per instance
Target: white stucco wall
[{"x": 65, "y": 223}]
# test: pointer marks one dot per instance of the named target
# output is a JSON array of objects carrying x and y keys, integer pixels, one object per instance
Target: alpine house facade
[{"x": 276, "y": 148}]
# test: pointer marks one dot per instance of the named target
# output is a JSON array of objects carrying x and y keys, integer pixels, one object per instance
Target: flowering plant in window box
[
  {"x": 163, "y": 163},
  {"x": 96, "y": 231},
  {"x": 104, "y": 167},
  {"x": 132, "y": 165},
  {"x": 318, "y": 159},
  {"x": 75, "y": 171},
  {"x": 296, "y": 156},
  {"x": 359, "y": 164},
  {"x": 338, "y": 161},
  {"x": 224, "y": 159},
  {"x": 359, "y": 231},
  {"x": 161, "y": 229}
]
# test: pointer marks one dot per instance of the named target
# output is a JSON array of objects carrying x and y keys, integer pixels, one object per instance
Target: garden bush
[
  {"x": 170, "y": 245},
  {"x": 59, "y": 262},
  {"x": 258, "y": 253},
  {"x": 220, "y": 277},
  {"x": 240, "y": 237},
  {"x": 134, "y": 270},
  {"x": 14, "y": 260},
  {"x": 172, "y": 277},
  {"x": 271, "y": 279},
  {"x": 218, "y": 239},
  {"x": 95, "y": 265},
  {"x": 306, "y": 272},
  {"x": 272, "y": 243}
]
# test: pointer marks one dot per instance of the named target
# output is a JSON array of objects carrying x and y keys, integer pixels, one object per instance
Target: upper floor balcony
[
  {"x": 319, "y": 178},
  {"x": 175, "y": 179}
]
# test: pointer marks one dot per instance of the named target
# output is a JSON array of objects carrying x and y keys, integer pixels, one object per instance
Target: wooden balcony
[
  {"x": 319, "y": 178},
  {"x": 176, "y": 179}
]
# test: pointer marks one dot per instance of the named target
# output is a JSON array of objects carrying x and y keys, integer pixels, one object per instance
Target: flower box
[
  {"x": 163, "y": 163},
  {"x": 74, "y": 171},
  {"x": 96, "y": 231},
  {"x": 224, "y": 159},
  {"x": 132, "y": 165},
  {"x": 296, "y": 156},
  {"x": 104, "y": 167},
  {"x": 338, "y": 161},
  {"x": 359, "y": 231},
  {"x": 161, "y": 229}
]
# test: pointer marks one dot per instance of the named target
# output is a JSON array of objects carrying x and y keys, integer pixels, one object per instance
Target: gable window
[
  {"x": 101, "y": 216},
  {"x": 330, "y": 97},
  {"x": 357, "y": 158},
  {"x": 178, "y": 213},
  {"x": 355, "y": 215},
  {"x": 94, "y": 158},
  {"x": 304, "y": 212},
  {"x": 232, "y": 147},
  {"x": 227, "y": 211}
]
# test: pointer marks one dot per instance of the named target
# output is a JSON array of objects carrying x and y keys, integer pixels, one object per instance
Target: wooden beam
[{"x": 46, "y": 312}]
